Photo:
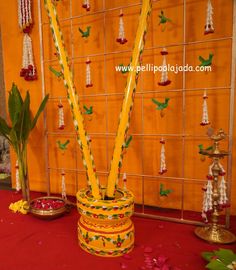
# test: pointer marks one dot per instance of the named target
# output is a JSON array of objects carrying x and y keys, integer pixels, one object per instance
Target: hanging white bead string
[
  {"x": 121, "y": 37},
  {"x": 24, "y": 15},
  {"x": 86, "y": 5},
  {"x": 18, "y": 185},
  {"x": 163, "y": 168},
  {"x": 209, "y": 28},
  {"x": 28, "y": 70},
  {"x": 223, "y": 194},
  {"x": 223, "y": 200},
  {"x": 207, "y": 200},
  {"x": 61, "y": 121},
  {"x": 88, "y": 74},
  {"x": 205, "y": 118},
  {"x": 63, "y": 185},
  {"x": 164, "y": 73}
]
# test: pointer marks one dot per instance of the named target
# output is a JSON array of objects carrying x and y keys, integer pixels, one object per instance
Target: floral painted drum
[{"x": 105, "y": 228}]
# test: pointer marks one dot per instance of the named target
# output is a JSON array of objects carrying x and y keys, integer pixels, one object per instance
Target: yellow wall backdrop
[{"x": 142, "y": 159}]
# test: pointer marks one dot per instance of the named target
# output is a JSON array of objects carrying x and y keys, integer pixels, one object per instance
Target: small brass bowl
[{"x": 48, "y": 212}]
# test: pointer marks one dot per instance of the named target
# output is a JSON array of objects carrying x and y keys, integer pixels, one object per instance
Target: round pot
[
  {"x": 105, "y": 228},
  {"x": 48, "y": 214}
]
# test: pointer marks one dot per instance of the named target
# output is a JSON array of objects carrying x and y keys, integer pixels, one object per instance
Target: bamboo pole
[
  {"x": 132, "y": 79},
  {"x": 73, "y": 99}
]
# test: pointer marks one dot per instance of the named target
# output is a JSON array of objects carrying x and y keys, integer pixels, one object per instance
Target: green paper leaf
[
  {"x": 226, "y": 256},
  {"x": 216, "y": 265},
  {"x": 208, "y": 255}
]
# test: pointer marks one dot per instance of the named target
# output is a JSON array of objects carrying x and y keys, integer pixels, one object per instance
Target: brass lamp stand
[{"x": 214, "y": 232}]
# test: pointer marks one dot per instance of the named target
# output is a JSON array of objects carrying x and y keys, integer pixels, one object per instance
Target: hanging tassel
[
  {"x": 18, "y": 185},
  {"x": 205, "y": 119},
  {"x": 63, "y": 185},
  {"x": 207, "y": 200},
  {"x": 24, "y": 15},
  {"x": 209, "y": 28},
  {"x": 163, "y": 158},
  {"x": 222, "y": 189},
  {"x": 121, "y": 38},
  {"x": 88, "y": 74},
  {"x": 124, "y": 181},
  {"x": 28, "y": 70},
  {"x": 86, "y": 5},
  {"x": 61, "y": 116},
  {"x": 223, "y": 200},
  {"x": 164, "y": 74}
]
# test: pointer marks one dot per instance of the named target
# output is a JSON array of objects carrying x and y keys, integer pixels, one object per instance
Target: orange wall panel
[{"x": 143, "y": 155}]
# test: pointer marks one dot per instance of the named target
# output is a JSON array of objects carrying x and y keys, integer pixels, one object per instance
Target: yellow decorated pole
[
  {"x": 128, "y": 99},
  {"x": 73, "y": 99}
]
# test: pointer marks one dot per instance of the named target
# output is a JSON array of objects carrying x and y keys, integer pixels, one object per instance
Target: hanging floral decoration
[
  {"x": 28, "y": 70},
  {"x": 61, "y": 116},
  {"x": 86, "y": 5},
  {"x": 63, "y": 185},
  {"x": 163, "y": 168},
  {"x": 164, "y": 74},
  {"x": 207, "y": 205},
  {"x": 88, "y": 74},
  {"x": 121, "y": 38},
  {"x": 24, "y": 15},
  {"x": 209, "y": 28},
  {"x": 205, "y": 118}
]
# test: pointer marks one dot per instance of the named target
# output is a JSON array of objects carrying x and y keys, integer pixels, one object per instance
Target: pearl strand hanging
[
  {"x": 61, "y": 116},
  {"x": 163, "y": 168},
  {"x": 28, "y": 70}
]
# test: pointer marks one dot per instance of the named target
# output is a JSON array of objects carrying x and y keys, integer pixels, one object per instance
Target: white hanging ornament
[
  {"x": 121, "y": 37},
  {"x": 61, "y": 116},
  {"x": 223, "y": 200},
  {"x": 24, "y": 15},
  {"x": 88, "y": 74},
  {"x": 222, "y": 189},
  {"x": 204, "y": 215},
  {"x": 207, "y": 199},
  {"x": 63, "y": 185},
  {"x": 86, "y": 5},
  {"x": 124, "y": 181},
  {"x": 164, "y": 74},
  {"x": 28, "y": 70},
  {"x": 163, "y": 168},
  {"x": 18, "y": 186},
  {"x": 205, "y": 118},
  {"x": 209, "y": 28}
]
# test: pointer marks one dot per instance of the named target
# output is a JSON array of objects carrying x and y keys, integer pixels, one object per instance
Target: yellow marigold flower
[{"x": 19, "y": 206}]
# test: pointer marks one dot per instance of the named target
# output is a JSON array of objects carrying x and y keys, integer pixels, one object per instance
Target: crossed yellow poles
[{"x": 73, "y": 100}]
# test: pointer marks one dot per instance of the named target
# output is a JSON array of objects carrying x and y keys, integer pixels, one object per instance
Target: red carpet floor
[{"x": 27, "y": 243}]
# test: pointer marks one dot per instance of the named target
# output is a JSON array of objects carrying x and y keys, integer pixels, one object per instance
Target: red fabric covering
[{"x": 27, "y": 243}]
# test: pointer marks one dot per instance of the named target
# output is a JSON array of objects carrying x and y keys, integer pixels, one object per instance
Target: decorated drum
[{"x": 105, "y": 228}]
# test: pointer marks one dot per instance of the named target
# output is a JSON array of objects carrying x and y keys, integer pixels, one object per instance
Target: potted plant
[{"x": 17, "y": 133}]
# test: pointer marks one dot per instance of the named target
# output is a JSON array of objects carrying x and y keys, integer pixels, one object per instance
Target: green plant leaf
[
  {"x": 14, "y": 140},
  {"x": 225, "y": 255},
  {"x": 41, "y": 108},
  {"x": 25, "y": 119},
  {"x": 21, "y": 126},
  {"x": 4, "y": 128},
  {"x": 14, "y": 104}
]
